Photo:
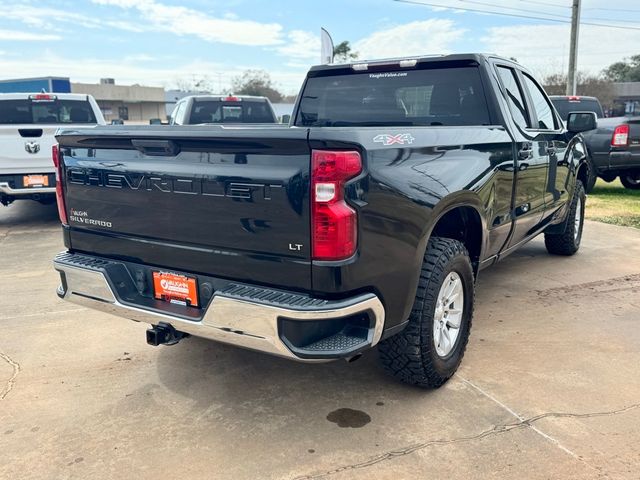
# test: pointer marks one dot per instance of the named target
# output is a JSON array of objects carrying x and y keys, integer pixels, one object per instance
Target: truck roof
[
  {"x": 413, "y": 60},
  {"x": 225, "y": 97},
  {"x": 26, "y": 96},
  {"x": 577, "y": 97}
]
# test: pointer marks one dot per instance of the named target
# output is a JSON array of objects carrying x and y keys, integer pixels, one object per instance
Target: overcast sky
[{"x": 158, "y": 42}]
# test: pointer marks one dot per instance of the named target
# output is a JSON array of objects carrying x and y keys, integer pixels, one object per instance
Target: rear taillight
[
  {"x": 620, "y": 137},
  {"x": 57, "y": 162},
  {"x": 334, "y": 223}
]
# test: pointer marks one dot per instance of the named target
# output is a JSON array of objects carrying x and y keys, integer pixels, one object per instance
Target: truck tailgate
[
  {"x": 228, "y": 202},
  {"x": 26, "y": 148}
]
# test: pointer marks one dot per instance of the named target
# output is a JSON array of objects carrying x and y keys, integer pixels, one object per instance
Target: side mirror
[
  {"x": 581, "y": 122},
  {"x": 286, "y": 118}
]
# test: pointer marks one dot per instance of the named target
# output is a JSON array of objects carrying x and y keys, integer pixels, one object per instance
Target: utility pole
[{"x": 573, "y": 48}]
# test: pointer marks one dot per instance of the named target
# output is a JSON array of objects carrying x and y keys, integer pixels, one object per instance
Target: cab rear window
[
  {"x": 56, "y": 111},
  {"x": 564, "y": 106},
  {"x": 443, "y": 96},
  {"x": 216, "y": 111}
]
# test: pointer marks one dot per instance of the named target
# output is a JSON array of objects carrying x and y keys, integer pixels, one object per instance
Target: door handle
[
  {"x": 526, "y": 151},
  {"x": 161, "y": 148}
]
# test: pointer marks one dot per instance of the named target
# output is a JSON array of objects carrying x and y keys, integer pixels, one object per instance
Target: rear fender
[{"x": 449, "y": 203}]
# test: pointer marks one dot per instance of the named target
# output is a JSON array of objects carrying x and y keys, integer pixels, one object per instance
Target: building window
[{"x": 123, "y": 113}]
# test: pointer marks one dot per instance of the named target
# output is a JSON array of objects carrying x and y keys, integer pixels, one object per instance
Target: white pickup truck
[{"x": 27, "y": 126}]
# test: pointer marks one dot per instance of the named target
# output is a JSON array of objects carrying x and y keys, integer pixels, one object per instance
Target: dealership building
[{"x": 131, "y": 103}]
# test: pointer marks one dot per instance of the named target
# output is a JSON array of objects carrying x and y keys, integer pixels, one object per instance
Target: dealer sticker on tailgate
[{"x": 175, "y": 288}]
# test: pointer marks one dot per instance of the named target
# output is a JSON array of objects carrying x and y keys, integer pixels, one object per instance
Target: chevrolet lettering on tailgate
[{"x": 144, "y": 182}]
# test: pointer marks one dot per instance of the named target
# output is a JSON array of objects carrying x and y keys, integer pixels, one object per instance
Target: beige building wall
[{"x": 142, "y": 103}]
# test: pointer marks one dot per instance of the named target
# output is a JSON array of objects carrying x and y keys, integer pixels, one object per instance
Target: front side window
[
  {"x": 540, "y": 105},
  {"x": 514, "y": 96}
]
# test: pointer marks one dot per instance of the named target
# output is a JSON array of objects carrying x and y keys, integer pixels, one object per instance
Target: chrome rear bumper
[
  {"x": 256, "y": 325},
  {"x": 7, "y": 190}
]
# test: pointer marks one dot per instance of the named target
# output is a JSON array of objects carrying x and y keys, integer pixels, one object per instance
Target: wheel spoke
[
  {"x": 454, "y": 318},
  {"x": 448, "y": 289},
  {"x": 449, "y": 310},
  {"x": 454, "y": 296},
  {"x": 446, "y": 340}
]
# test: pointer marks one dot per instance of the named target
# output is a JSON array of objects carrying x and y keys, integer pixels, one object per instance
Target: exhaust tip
[{"x": 352, "y": 359}]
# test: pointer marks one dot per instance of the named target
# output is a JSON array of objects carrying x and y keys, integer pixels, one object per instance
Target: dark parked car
[
  {"x": 613, "y": 147},
  {"x": 366, "y": 222},
  {"x": 614, "y": 150},
  {"x": 216, "y": 109},
  {"x": 566, "y": 104}
]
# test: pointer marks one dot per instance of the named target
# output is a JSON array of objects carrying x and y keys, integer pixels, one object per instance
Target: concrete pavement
[{"x": 549, "y": 387}]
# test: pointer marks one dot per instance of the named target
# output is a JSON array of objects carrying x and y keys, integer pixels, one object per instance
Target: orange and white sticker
[
  {"x": 173, "y": 287},
  {"x": 35, "y": 181}
]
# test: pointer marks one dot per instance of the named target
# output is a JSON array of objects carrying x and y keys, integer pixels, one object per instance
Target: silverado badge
[{"x": 32, "y": 147}]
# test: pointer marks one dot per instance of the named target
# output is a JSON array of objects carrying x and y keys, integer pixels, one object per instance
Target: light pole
[{"x": 573, "y": 48}]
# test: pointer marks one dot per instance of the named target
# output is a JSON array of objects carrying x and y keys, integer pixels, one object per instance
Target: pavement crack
[
  {"x": 495, "y": 430},
  {"x": 12, "y": 380}
]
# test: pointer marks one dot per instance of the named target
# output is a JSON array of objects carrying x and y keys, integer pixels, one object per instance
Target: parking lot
[{"x": 549, "y": 387}]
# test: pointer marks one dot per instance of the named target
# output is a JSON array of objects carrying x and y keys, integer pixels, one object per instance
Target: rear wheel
[
  {"x": 430, "y": 348},
  {"x": 631, "y": 179},
  {"x": 568, "y": 242},
  {"x": 592, "y": 176}
]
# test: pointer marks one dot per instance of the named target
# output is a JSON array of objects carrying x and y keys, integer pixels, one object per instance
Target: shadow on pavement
[
  {"x": 213, "y": 373},
  {"x": 23, "y": 213}
]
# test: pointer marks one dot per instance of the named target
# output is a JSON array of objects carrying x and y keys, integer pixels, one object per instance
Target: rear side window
[
  {"x": 243, "y": 111},
  {"x": 514, "y": 96},
  {"x": 443, "y": 96},
  {"x": 540, "y": 104},
  {"x": 28, "y": 111},
  {"x": 177, "y": 114}
]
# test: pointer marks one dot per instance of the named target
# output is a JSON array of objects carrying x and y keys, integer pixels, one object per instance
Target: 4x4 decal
[{"x": 388, "y": 139}]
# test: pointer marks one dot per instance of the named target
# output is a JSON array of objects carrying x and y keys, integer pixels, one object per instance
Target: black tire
[
  {"x": 592, "y": 177},
  {"x": 568, "y": 242},
  {"x": 631, "y": 179},
  {"x": 411, "y": 355}
]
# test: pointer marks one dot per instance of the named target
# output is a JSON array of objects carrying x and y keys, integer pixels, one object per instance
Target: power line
[
  {"x": 637, "y": 22},
  {"x": 546, "y": 4},
  {"x": 513, "y": 8},
  {"x": 614, "y": 9},
  {"x": 542, "y": 13},
  {"x": 504, "y": 14}
]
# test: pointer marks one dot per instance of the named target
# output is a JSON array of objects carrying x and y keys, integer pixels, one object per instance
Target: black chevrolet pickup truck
[{"x": 365, "y": 222}]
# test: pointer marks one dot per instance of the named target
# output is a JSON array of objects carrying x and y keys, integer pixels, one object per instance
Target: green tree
[
  {"x": 342, "y": 53},
  {"x": 256, "y": 82},
  {"x": 195, "y": 83},
  {"x": 626, "y": 71}
]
